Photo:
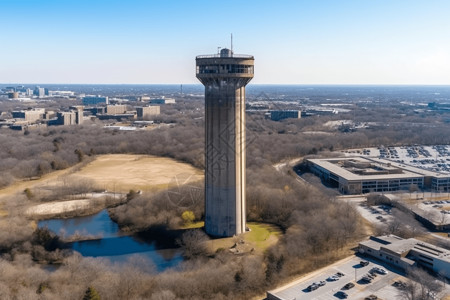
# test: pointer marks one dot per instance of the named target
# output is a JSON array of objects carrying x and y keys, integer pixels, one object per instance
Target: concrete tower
[{"x": 224, "y": 76}]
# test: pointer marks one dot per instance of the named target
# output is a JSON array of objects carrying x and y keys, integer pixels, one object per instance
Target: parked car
[
  {"x": 348, "y": 286},
  {"x": 366, "y": 279},
  {"x": 341, "y": 295},
  {"x": 321, "y": 283},
  {"x": 371, "y": 297},
  {"x": 364, "y": 263},
  {"x": 333, "y": 278},
  {"x": 380, "y": 270},
  {"x": 312, "y": 287}
]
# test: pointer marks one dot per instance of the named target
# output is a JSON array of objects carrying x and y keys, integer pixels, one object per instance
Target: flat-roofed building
[
  {"x": 95, "y": 100},
  {"x": 162, "y": 100},
  {"x": 30, "y": 115},
  {"x": 79, "y": 111},
  {"x": 404, "y": 253},
  {"x": 278, "y": 115},
  {"x": 115, "y": 109},
  {"x": 118, "y": 117},
  {"x": 147, "y": 111},
  {"x": 13, "y": 95},
  {"x": 356, "y": 175},
  {"x": 66, "y": 118}
]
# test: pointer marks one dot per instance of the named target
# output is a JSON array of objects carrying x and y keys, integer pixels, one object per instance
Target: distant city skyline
[{"x": 294, "y": 42}]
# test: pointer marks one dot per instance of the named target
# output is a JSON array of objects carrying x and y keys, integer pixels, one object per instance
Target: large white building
[{"x": 356, "y": 175}]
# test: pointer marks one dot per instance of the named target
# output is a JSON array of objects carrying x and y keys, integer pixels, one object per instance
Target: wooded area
[{"x": 316, "y": 227}]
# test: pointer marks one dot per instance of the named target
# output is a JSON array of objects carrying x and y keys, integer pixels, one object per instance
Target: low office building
[
  {"x": 116, "y": 109},
  {"x": 13, "y": 95},
  {"x": 278, "y": 115},
  {"x": 118, "y": 117},
  {"x": 405, "y": 253},
  {"x": 147, "y": 111},
  {"x": 30, "y": 115},
  {"x": 95, "y": 100},
  {"x": 66, "y": 118},
  {"x": 356, "y": 175},
  {"x": 162, "y": 100}
]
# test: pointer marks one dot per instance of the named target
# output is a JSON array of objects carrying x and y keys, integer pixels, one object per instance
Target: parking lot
[
  {"x": 432, "y": 158},
  {"x": 383, "y": 286}
]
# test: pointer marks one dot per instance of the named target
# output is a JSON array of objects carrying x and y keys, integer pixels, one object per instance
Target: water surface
[{"x": 113, "y": 244}]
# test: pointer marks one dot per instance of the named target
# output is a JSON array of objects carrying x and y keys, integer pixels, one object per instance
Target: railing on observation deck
[{"x": 219, "y": 56}]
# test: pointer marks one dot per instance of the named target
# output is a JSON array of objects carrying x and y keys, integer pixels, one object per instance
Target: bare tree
[
  {"x": 420, "y": 286},
  {"x": 193, "y": 243}
]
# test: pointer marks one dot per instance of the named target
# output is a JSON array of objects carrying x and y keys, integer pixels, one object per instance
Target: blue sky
[{"x": 294, "y": 42}]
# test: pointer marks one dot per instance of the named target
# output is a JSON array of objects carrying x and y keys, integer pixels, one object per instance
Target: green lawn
[
  {"x": 193, "y": 225},
  {"x": 262, "y": 235}
]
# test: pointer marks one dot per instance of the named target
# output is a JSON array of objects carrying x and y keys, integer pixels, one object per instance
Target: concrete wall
[{"x": 225, "y": 160}]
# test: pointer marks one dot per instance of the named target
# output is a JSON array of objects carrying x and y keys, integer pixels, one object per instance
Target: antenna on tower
[{"x": 231, "y": 44}]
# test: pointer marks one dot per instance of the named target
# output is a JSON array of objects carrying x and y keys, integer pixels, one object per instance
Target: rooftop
[
  {"x": 336, "y": 166},
  {"x": 219, "y": 56},
  {"x": 400, "y": 246}
]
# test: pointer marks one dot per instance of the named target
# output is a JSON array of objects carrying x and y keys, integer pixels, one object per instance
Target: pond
[{"x": 113, "y": 244}]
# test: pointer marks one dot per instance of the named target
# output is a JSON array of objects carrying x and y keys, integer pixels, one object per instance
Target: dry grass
[
  {"x": 123, "y": 172},
  {"x": 114, "y": 172}
]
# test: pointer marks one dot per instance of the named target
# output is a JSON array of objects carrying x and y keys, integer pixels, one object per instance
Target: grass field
[
  {"x": 122, "y": 172},
  {"x": 114, "y": 172}
]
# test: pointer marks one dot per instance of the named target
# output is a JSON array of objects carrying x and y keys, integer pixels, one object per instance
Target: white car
[
  {"x": 380, "y": 270},
  {"x": 333, "y": 278},
  {"x": 320, "y": 283}
]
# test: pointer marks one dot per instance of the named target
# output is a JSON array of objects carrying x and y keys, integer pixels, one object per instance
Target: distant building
[
  {"x": 39, "y": 92},
  {"x": 162, "y": 100},
  {"x": 79, "y": 110},
  {"x": 115, "y": 109},
  {"x": 405, "y": 253},
  {"x": 319, "y": 112},
  {"x": 66, "y": 118},
  {"x": 118, "y": 117},
  {"x": 143, "y": 98},
  {"x": 20, "y": 89},
  {"x": 147, "y": 111},
  {"x": 23, "y": 127},
  {"x": 49, "y": 114},
  {"x": 277, "y": 115},
  {"x": 63, "y": 94},
  {"x": 100, "y": 110},
  {"x": 95, "y": 100},
  {"x": 13, "y": 95},
  {"x": 439, "y": 106},
  {"x": 31, "y": 115}
]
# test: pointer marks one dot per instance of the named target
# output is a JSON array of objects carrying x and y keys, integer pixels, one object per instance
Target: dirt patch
[
  {"x": 59, "y": 207},
  {"x": 122, "y": 172}
]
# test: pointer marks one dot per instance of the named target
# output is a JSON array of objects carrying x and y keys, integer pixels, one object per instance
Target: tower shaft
[{"x": 225, "y": 79}]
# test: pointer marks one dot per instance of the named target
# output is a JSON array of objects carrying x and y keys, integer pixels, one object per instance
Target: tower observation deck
[{"x": 225, "y": 76}]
